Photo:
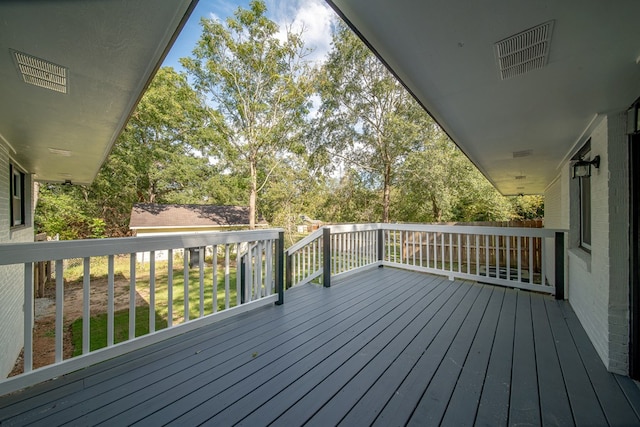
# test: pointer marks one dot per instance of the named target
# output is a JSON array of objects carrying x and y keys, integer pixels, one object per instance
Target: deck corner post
[
  {"x": 380, "y": 247},
  {"x": 280, "y": 255},
  {"x": 326, "y": 257},
  {"x": 559, "y": 265}
]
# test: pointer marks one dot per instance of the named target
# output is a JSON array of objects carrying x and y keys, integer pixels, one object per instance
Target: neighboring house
[
  {"x": 532, "y": 91},
  {"x": 71, "y": 74},
  {"x": 151, "y": 219}
]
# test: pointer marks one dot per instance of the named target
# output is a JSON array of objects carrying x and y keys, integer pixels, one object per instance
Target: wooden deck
[{"x": 384, "y": 347}]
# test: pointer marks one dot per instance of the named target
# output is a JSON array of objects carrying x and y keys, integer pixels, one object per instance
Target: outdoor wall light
[{"x": 582, "y": 168}]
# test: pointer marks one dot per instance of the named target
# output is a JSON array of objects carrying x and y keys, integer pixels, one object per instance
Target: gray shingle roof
[{"x": 157, "y": 215}]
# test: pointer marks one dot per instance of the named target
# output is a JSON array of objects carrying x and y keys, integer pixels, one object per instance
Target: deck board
[{"x": 384, "y": 346}]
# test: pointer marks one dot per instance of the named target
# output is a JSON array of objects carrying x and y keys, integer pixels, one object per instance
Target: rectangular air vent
[
  {"x": 525, "y": 51},
  {"x": 38, "y": 72},
  {"x": 523, "y": 153},
  {"x": 521, "y": 177}
]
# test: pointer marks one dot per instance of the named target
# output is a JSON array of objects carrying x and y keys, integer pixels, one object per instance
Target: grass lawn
[
  {"x": 121, "y": 318},
  {"x": 120, "y": 328}
]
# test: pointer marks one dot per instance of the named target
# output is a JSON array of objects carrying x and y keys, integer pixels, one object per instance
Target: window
[
  {"x": 584, "y": 194},
  {"x": 17, "y": 199},
  {"x": 585, "y": 212}
]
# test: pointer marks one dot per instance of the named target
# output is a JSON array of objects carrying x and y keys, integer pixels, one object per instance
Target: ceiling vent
[
  {"x": 518, "y": 177},
  {"x": 524, "y": 52},
  {"x": 38, "y": 72},
  {"x": 523, "y": 153}
]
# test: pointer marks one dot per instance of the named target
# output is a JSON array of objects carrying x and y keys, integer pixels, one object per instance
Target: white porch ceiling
[
  {"x": 110, "y": 50},
  {"x": 443, "y": 51}
]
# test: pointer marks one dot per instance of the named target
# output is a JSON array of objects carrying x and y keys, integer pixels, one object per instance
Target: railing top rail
[
  {"x": 16, "y": 253},
  {"x": 473, "y": 229},
  {"x": 304, "y": 242},
  {"x": 351, "y": 228}
]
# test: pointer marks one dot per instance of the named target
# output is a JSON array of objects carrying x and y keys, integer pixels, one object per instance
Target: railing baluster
[
  {"x": 110, "y": 297},
  {"x": 227, "y": 291},
  {"x": 86, "y": 305},
  {"x": 215, "y": 278},
  {"x": 459, "y": 254},
  {"x": 152, "y": 292},
  {"x": 132, "y": 296},
  {"x": 450, "y": 251},
  {"x": 427, "y": 247},
  {"x": 442, "y": 249},
  {"x": 28, "y": 317},
  {"x": 238, "y": 276},
  {"x": 60, "y": 311},
  {"x": 497, "y": 240},
  {"x": 486, "y": 253},
  {"x": 478, "y": 254},
  {"x": 543, "y": 273},
  {"x": 531, "y": 269},
  {"x": 185, "y": 283},
  {"x": 201, "y": 278},
  {"x": 170, "y": 288},
  {"x": 268, "y": 263},
  {"x": 519, "y": 258},
  {"x": 468, "y": 254},
  {"x": 508, "y": 259}
]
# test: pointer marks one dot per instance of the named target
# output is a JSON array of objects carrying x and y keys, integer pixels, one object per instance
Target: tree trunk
[
  {"x": 253, "y": 195},
  {"x": 386, "y": 193}
]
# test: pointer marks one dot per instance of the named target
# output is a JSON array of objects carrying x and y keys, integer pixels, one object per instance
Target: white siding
[
  {"x": 11, "y": 277},
  {"x": 598, "y": 282}
]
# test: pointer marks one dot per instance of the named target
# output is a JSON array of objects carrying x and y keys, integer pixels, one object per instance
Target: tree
[
  {"x": 439, "y": 184},
  {"x": 157, "y": 158},
  {"x": 367, "y": 118},
  {"x": 258, "y": 85}
]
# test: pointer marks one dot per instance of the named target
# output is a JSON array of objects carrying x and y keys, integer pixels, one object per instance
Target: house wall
[
  {"x": 11, "y": 277},
  {"x": 598, "y": 281}
]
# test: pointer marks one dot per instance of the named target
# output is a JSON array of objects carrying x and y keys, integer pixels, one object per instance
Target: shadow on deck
[{"x": 385, "y": 346}]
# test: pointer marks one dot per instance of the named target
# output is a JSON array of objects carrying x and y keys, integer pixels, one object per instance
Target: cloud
[{"x": 313, "y": 17}]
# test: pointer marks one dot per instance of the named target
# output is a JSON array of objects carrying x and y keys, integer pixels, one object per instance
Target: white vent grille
[
  {"x": 38, "y": 72},
  {"x": 524, "y": 52}
]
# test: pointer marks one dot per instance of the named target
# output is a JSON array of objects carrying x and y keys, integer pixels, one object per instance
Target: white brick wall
[
  {"x": 618, "y": 160},
  {"x": 598, "y": 282},
  {"x": 11, "y": 277}
]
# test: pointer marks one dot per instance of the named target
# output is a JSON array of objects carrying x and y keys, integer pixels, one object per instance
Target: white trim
[
  {"x": 476, "y": 278},
  {"x": 18, "y": 253},
  {"x": 170, "y": 227},
  {"x": 582, "y": 139},
  {"x": 12, "y": 384}
]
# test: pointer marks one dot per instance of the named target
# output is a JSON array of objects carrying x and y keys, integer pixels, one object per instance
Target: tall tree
[
  {"x": 367, "y": 118},
  {"x": 258, "y": 84}
]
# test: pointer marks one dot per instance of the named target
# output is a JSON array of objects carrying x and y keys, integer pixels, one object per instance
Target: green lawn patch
[{"x": 120, "y": 330}]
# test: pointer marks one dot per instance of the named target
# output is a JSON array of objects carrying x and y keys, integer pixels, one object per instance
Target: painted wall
[
  {"x": 11, "y": 277},
  {"x": 598, "y": 281}
]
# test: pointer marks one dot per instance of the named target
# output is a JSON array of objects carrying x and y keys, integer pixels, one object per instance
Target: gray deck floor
[{"x": 384, "y": 347}]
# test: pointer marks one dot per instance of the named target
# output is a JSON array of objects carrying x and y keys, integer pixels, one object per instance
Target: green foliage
[{"x": 64, "y": 211}]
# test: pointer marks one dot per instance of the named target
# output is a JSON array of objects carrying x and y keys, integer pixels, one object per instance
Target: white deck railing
[
  {"x": 191, "y": 296},
  {"x": 507, "y": 256}
]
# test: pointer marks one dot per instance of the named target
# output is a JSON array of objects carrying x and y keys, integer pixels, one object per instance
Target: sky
[{"x": 313, "y": 15}]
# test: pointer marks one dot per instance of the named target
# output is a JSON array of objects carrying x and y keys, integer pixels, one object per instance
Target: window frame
[{"x": 17, "y": 199}]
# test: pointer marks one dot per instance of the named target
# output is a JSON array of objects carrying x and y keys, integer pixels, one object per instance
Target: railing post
[
  {"x": 280, "y": 254},
  {"x": 326, "y": 257},
  {"x": 243, "y": 280},
  {"x": 380, "y": 246},
  {"x": 559, "y": 265}
]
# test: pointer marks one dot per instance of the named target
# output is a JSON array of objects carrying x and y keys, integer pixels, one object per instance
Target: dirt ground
[{"x": 44, "y": 330}]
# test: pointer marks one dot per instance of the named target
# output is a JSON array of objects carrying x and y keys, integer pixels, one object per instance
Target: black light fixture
[{"x": 582, "y": 168}]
